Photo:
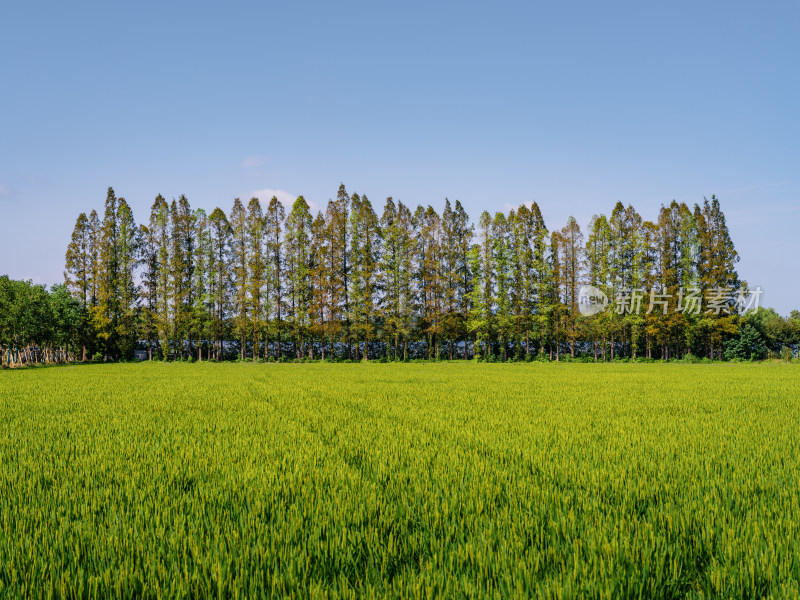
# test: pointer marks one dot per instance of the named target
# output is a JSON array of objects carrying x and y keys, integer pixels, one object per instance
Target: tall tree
[
  {"x": 219, "y": 276},
  {"x": 502, "y": 300},
  {"x": 450, "y": 276},
  {"x": 78, "y": 271},
  {"x": 240, "y": 272},
  {"x": 319, "y": 275},
  {"x": 159, "y": 231},
  {"x": 598, "y": 274},
  {"x": 107, "y": 313},
  {"x": 462, "y": 242},
  {"x": 482, "y": 294},
  {"x": 298, "y": 270},
  {"x": 338, "y": 233},
  {"x": 716, "y": 270},
  {"x": 257, "y": 269},
  {"x": 181, "y": 268},
  {"x": 274, "y": 222},
  {"x": 127, "y": 296},
  {"x": 201, "y": 281},
  {"x": 396, "y": 275},
  {"x": 571, "y": 262},
  {"x": 365, "y": 239}
]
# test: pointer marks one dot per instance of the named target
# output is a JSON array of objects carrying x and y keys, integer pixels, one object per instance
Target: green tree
[
  {"x": 219, "y": 276},
  {"x": 162, "y": 282},
  {"x": 298, "y": 271},
  {"x": 274, "y": 222},
  {"x": 365, "y": 247},
  {"x": 201, "y": 317},
  {"x": 257, "y": 268},
  {"x": 336, "y": 215},
  {"x": 78, "y": 272},
  {"x": 128, "y": 261},
  {"x": 107, "y": 312},
  {"x": 240, "y": 273}
]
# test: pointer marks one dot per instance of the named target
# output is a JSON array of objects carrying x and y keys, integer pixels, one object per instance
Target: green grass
[{"x": 421, "y": 480}]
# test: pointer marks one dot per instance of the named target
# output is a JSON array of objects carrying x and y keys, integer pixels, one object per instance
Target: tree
[
  {"x": 521, "y": 270},
  {"x": 395, "y": 275},
  {"x": 37, "y": 326},
  {"x": 159, "y": 232},
  {"x": 416, "y": 281},
  {"x": 148, "y": 287},
  {"x": 298, "y": 270},
  {"x": 78, "y": 271},
  {"x": 336, "y": 215},
  {"x": 365, "y": 246},
  {"x": 107, "y": 313},
  {"x": 449, "y": 276},
  {"x": 181, "y": 268},
  {"x": 748, "y": 345},
  {"x": 571, "y": 270},
  {"x": 481, "y": 296},
  {"x": 716, "y": 270},
  {"x": 257, "y": 268},
  {"x": 462, "y": 242},
  {"x": 219, "y": 276},
  {"x": 126, "y": 293},
  {"x": 319, "y": 275},
  {"x": 598, "y": 253},
  {"x": 240, "y": 272},
  {"x": 502, "y": 294},
  {"x": 274, "y": 220},
  {"x": 428, "y": 268},
  {"x": 201, "y": 316}
]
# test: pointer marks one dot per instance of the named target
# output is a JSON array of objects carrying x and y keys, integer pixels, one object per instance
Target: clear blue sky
[{"x": 574, "y": 105}]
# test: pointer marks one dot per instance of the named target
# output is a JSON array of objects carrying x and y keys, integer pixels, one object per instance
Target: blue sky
[{"x": 574, "y": 105}]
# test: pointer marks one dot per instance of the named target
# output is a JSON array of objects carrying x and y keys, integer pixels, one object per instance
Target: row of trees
[
  {"x": 352, "y": 283},
  {"x": 37, "y": 325}
]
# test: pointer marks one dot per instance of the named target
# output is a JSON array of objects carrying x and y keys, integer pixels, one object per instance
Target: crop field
[{"x": 404, "y": 480}]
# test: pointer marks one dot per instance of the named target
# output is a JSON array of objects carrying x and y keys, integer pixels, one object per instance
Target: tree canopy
[{"x": 268, "y": 282}]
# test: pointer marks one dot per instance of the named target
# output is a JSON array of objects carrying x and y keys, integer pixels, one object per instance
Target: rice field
[{"x": 400, "y": 480}]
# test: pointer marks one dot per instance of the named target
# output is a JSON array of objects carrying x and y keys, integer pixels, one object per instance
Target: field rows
[{"x": 422, "y": 480}]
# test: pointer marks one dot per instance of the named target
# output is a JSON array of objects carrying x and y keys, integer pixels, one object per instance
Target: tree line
[{"x": 350, "y": 283}]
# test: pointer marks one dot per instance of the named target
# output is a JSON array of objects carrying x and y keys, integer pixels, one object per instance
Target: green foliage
[
  {"x": 748, "y": 345},
  {"x": 346, "y": 282},
  {"x": 37, "y": 325}
]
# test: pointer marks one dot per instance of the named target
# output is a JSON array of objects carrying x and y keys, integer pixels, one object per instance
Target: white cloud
[
  {"x": 251, "y": 162},
  {"x": 283, "y": 197},
  {"x": 509, "y": 207},
  {"x": 4, "y": 191}
]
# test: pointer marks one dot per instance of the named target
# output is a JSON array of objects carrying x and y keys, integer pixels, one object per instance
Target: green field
[{"x": 412, "y": 480}]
